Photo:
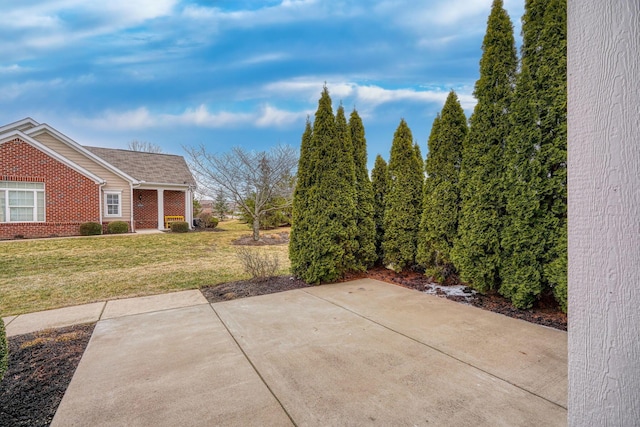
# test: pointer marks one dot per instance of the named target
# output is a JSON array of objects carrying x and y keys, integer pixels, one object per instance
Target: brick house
[{"x": 50, "y": 184}]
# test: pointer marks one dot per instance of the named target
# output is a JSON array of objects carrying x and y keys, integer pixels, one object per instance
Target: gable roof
[
  {"x": 147, "y": 168},
  {"x": 17, "y": 134},
  {"x": 22, "y": 125},
  {"x": 45, "y": 128}
]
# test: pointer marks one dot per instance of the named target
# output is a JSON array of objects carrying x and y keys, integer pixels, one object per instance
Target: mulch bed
[
  {"x": 545, "y": 312},
  {"x": 42, "y": 364},
  {"x": 266, "y": 239},
  {"x": 251, "y": 288}
]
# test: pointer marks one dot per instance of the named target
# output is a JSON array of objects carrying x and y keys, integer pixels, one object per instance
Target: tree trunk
[{"x": 256, "y": 229}]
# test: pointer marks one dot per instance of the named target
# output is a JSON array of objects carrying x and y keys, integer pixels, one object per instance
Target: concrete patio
[{"x": 356, "y": 353}]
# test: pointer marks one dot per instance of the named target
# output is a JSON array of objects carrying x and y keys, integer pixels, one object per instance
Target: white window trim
[
  {"x": 7, "y": 208},
  {"x": 106, "y": 205}
]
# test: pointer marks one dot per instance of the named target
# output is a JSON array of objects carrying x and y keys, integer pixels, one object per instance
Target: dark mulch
[
  {"x": 251, "y": 288},
  {"x": 265, "y": 239},
  {"x": 545, "y": 312},
  {"x": 41, "y": 366}
]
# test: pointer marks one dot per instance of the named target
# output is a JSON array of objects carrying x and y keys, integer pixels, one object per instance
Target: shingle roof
[{"x": 147, "y": 167}]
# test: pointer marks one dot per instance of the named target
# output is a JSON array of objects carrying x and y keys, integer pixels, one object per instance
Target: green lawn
[{"x": 44, "y": 274}]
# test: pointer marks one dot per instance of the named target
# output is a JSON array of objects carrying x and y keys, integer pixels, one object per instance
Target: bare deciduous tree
[
  {"x": 248, "y": 176},
  {"x": 147, "y": 147}
]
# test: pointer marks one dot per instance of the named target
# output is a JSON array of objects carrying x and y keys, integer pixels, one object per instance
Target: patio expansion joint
[
  {"x": 254, "y": 366},
  {"x": 435, "y": 349}
]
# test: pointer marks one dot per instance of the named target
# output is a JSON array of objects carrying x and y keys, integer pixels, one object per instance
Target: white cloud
[
  {"x": 139, "y": 118},
  {"x": 282, "y": 13},
  {"x": 12, "y": 69},
  {"x": 263, "y": 58},
  {"x": 15, "y": 90},
  {"x": 48, "y": 24},
  {"x": 142, "y": 118},
  {"x": 309, "y": 88},
  {"x": 203, "y": 118},
  {"x": 274, "y": 117},
  {"x": 421, "y": 17},
  {"x": 375, "y": 95},
  {"x": 367, "y": 97},
  {"x": 112, "y": 14}
]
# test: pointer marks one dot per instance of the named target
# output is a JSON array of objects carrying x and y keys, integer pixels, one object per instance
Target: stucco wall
[{"x": 604, "y": 212}]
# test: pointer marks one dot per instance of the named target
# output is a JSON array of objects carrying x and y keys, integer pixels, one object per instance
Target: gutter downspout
[{"x": 100, "y": 191}]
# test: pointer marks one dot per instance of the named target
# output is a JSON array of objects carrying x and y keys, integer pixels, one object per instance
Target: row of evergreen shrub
[{"x": 490, "y": 203}]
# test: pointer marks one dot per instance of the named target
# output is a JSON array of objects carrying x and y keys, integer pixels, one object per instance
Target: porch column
[
  {"x": 188, "y": 208},
  {"x": 160, "y": 209}
]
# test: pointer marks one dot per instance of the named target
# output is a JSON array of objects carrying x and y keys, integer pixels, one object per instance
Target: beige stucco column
[
  {"x": 604, "y": 212},
  {"x": 160, "y": 209}
]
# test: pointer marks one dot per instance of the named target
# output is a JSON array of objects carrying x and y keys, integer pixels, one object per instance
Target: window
[
  {"x": 21, "y": 201},
  {"x": 112, "y": 202}
]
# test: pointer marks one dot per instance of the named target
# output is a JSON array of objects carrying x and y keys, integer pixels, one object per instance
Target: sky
[{"x": 223, "y": 73}]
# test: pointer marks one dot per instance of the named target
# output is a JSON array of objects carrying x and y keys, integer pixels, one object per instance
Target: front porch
[{"x": 152, "y": 205}]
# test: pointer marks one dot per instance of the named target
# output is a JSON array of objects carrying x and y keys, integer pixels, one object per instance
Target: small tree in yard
[
  {"x": 197, "y": 207},
  {"x": 220, "y": 206},
  {"x": 272, "y": 218},
  {"x": 260, "y": 177}
]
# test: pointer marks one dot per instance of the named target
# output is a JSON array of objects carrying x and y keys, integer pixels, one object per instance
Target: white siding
[{"x": 604, "y": 212}]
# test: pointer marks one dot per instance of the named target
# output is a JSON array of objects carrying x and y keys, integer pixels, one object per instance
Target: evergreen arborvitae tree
[
  {"x": 418, "y": 154},
  {"x": 424, "y": 254},
  {"x": 523, "y": 234},
  {"x": 330, "y": 243},
  {"x": 380, "y": 184},
  {"x": 476, "y": 252},
  {"x": 420, "y": 160},
  {"x": 300, "y": 253},
  {"x": 535, "y": 236},
  {"x": 441, "y": 196},
  {"x": 551, "y": 78},
  {"x": 366, "y": 253},
  {"x": 402, "y": 201}
]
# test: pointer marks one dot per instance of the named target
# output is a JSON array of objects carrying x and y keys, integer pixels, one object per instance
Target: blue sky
[{"x": 236, "y": 72}]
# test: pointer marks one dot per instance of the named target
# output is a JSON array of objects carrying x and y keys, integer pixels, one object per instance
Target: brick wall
[
  {"x": 174, "y": 203},
  {"x": 70, "y": 197},
  {"x": 145, "y": 208}
]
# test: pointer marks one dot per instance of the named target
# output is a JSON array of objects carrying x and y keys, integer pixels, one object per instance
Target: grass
[{"x": 44, "y": 274}]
